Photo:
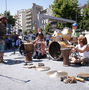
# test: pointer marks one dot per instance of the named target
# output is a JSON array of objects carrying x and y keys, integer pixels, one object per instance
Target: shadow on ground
[
  {"x": 15, "y": 79},
  {"x": 12, "y": 62},
  {"x": 79, "y": 65}
]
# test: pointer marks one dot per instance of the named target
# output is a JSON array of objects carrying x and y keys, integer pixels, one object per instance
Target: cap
[
  {"x": 3, "y": 17},
  {"x": 74, "y": 24}
]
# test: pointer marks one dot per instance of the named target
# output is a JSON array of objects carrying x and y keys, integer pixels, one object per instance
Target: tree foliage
[
  {"x": 85, "y": 21},
  {"x": 68, "y": 9},
  {"x": 48, "y": 28},
  {"x": 10, "y": 20}
]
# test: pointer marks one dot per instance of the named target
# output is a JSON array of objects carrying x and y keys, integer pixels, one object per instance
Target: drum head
[
  {"x": 66, "y": 33},
  {"x": 54, "y": 50}
]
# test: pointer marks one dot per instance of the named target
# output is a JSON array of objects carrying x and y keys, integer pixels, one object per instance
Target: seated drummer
[
  {"x": 39, "y": 47},
  {"x": 83, "y": 50}
]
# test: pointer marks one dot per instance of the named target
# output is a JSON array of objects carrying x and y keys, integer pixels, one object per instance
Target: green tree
[
  {"x": 33, "y": 31},
  {"x": 68, "y": 9},
  {"x": 85, "y": 21},
  {"x": 10, "y": 20},
  {"x": 48, "y": 28}
]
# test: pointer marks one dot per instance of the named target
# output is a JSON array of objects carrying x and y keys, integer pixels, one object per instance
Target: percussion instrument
[
  {"x": 65, "y": 53},
  {"x": 57, "y": 74},
  {"x": 42, "y": 68},
  {"x": 28, "y": 49},
  {"x": 58, "y": 38},
  {"x": 22, "y": 49},
  {"x": 54, "y": 49},
  {"x": 73, "y": 39},
  {"x": 57, "y": 35},
  {"x": 84, "y": 76},
  {"x": 66, "y": 33}
]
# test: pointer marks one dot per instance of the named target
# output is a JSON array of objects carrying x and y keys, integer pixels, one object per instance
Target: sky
[{"x": 14, "y": 5}]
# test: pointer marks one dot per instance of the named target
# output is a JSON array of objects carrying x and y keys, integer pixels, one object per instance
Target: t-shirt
[
  {"x": 40, "y": 33},
  {"x": 85, "y": 54},
  {"x": 47, "y": 37},
  {"x": 74, "y": 33},
  {"x": 2, "y": 30}
]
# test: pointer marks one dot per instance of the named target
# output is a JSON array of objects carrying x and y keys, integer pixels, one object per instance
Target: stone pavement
[{"x": 14, "y": 77}]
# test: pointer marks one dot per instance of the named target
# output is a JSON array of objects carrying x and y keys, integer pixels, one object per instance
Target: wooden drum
[
  {"x": 28, "y": 49},
  {"x": 54, "y": 49},
  {"x": 65, "y": 53}
]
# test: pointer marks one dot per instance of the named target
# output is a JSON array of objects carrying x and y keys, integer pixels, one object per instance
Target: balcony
[
  {"x": 29, "y": 13},
  {"x": 29, "y": 20},
  {"x": 28, "y": 28},
  {"x": 28, "y": 24},
  {"x": 29, "y": 17}
]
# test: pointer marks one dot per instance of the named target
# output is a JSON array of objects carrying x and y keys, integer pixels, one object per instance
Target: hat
[
  {"x": 74, "y": 24},
  {"x": 3, "y": 17}
]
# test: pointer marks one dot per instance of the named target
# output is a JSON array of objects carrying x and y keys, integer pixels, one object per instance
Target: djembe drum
[
  {"x": 65, "y": 53},
  {"x": 28, "y": 49}
]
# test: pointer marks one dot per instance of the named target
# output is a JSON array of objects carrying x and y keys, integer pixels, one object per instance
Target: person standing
[
  {"x": 3, "y": 21},
  {"x": 39, "y": 32},
  {"x": 47, "y": 39},
  {"x": 30, "y": 35},
  {"x": 74, "y": 29},
  {"x": 75, "y": 34}
]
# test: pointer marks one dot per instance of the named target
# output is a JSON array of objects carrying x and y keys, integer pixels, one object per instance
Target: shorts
[
  {"x": 85, "y": 59},
  {"x": 1, "y": 46}
]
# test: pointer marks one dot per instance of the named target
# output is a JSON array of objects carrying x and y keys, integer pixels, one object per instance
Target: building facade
[
  {"x": 31, "y": 17},
  {"x": 49, "y": 12},
  {"x": 20, "y": 24},
  {"x": 26, "y": 19}
]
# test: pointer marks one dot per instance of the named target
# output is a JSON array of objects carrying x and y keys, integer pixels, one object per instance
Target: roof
[{"x": 52, "y": 18}]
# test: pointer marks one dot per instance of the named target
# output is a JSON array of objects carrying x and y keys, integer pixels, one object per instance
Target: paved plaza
[{"x": 14, "y": 77}]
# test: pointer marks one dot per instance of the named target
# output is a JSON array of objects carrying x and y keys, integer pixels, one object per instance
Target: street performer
[
  {"x": 39, "y": 47},
  {"x": 3, "y": 21}
]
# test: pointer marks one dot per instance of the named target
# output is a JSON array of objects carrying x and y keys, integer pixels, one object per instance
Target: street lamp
[
  {"x": 6, "y": 7},
  {"x": 6, "y": 12}
]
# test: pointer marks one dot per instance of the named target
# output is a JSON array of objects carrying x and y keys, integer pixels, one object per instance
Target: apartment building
[
  {"x": 31, "y": 17},
  {"x": 26, "y": 19},
  {"x": 20, "y": 17},
  {"x": 49, "y": 12}
]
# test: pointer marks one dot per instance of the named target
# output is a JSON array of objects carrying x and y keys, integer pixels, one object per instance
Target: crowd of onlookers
[{"x": 16, "y": 39}]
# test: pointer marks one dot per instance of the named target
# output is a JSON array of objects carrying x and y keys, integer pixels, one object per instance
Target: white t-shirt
[
  {"x": 85, "y": 54},
  {"x": 47, "y": 37}
]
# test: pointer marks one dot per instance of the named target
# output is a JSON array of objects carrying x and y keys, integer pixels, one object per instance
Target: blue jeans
[{"x": 47, "y": 42}]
